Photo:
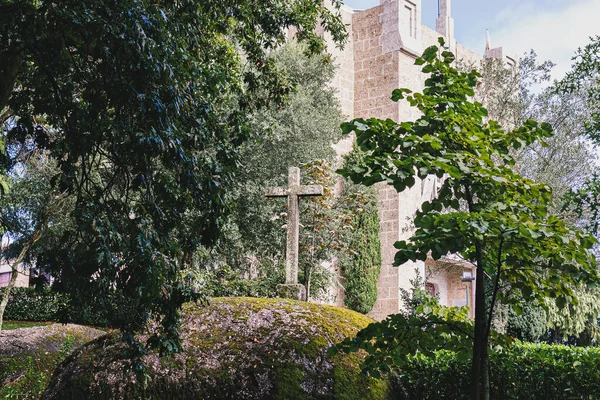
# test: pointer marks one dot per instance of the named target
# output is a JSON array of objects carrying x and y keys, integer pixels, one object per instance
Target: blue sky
[{"x": 553, "y": 28}]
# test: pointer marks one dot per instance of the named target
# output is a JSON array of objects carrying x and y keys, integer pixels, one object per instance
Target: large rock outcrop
[{"x": 235, "y": 348}]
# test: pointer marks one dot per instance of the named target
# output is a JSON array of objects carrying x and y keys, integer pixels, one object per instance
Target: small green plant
[
  {"x": 31, "y": 384},
  {"x": 66, "y": 347},
  {"x": 416, "y": 296}
]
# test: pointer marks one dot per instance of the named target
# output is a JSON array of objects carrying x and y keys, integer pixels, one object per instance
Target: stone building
[
  {"x": 383, "y": 43},
  {"x": 6, "y": 272}
]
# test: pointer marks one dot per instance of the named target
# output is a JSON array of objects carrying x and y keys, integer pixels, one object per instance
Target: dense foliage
[
  {"x": 361, "y": 269},
  {"x": 426, "y": 329},
  {"x": 524, "y": 370},
  {"x": 29, "y": 304},
  {"x": 46, "y": 304},
  {"x": 301, "y": 133},
  {"x": 565, "y": 162},
  {"x": 144, "y": 107},
  {"x": 484, "y": 212},
  {"x": 530, "y": 324},
  {"x": 585, "y": 76}
]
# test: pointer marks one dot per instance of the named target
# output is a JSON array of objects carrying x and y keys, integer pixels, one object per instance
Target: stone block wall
[
  {"x": 375, "y": 73},
  {"x": 379, "y": 57},
  {"x": 343, "y": 80},
  {"x": 375, "y": 77}
]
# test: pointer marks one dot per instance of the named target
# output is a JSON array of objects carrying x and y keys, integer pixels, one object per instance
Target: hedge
[
  {"x": 45, "y": 304},
  {"x": 29, "y": 304},
  {"x": 524, "y": 371}
]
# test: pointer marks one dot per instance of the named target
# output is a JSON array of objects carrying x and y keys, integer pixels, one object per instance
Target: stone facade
[
  {"x": 384, "y": 42},
  {"x": 6, "y": 273}
]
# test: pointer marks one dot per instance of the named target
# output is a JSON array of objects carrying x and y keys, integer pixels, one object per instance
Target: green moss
[
  {"x": 286, "y": 382},
  {"x": 349, "y": 385}
]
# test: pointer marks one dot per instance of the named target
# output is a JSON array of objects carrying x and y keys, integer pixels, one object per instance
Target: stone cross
[{"x": 293, "y": 192}]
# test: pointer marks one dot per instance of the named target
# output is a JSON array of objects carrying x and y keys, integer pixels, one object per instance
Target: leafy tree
[
  {"x": 530, "y": 324},
  {"x": 583, "y": 81},
  {"x": 31, "y": 212},
  {"x": 144, "y": 108},
  {"x": 585, "y": 76},
  {"x": 300, "y": 132},
  {"x": 576, "y": 324},
  {"x": 566, "y": 159},
  {"x": 484, "y": 211},
  {"x": 564, "y": 162},
  {"x": 508, "y": 91}
]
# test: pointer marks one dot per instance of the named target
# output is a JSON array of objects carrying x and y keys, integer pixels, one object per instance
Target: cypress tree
[{"x": 361, "y": 269}]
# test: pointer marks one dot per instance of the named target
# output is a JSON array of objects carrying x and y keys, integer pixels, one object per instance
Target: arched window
[{"x": 430, "y": 289}]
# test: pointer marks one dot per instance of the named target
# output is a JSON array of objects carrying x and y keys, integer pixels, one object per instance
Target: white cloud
[{"x": 554, "y": 32}]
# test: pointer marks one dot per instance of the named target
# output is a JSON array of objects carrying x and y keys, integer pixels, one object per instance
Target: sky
[{"x": 554, "y": 29}]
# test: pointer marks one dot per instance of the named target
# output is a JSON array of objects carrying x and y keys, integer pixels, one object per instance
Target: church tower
[
  {"x": 444, "y": 24},
  {"x": 401, "y": 26},
  {"x": 380, "y": 56}
]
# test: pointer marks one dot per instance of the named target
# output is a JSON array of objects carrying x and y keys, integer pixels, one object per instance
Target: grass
[{"x": 8, "y": 325}]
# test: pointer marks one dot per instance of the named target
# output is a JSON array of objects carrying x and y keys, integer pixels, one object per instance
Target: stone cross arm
[{"x": 300, "y": 190}]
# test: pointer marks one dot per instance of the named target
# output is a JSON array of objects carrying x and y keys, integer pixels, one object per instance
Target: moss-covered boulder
[
  {"x": 28, "y": 356},
  {"x": 236, "y": 348}
]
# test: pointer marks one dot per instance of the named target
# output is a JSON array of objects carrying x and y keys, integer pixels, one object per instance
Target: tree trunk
[
  {"x": 485, "y": 368},
  {"x": 6, "y": 294},
  {"x": 480, "y": 341},
  {"x": 480, "y": 348},
  {"x": 15, "y": 271}
]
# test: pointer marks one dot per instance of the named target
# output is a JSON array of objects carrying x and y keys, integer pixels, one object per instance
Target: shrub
[
  {"x": 29, "y": 304},
  {"x": 361, "y": 269},
  {"x": 225, "y": 281},
  {"x": 528, "y": 326},
  {"x": 525, "y": 370},
  {"x": 46, "y": 304}
]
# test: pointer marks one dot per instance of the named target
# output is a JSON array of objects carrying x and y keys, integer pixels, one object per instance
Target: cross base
[{"x": 292, "y": 291}]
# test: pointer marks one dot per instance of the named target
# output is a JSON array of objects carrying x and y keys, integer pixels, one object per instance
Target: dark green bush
[
  {"x": 29, "y": 304},
  {"x": 46, "y": 304},
  {"x": 226, "y": 281},
  {"x": 528, "y": 326},
  {"x": 525, "y": 371},
  {"x": 361, "y": 268}
]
